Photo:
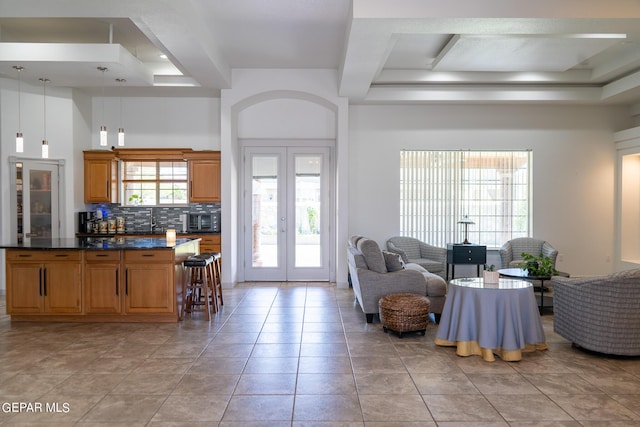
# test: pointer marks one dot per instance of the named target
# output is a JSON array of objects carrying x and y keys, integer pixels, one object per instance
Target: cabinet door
[
  {"x": 62, "y": 284},
  {"x": 100, "y": 180},
  {"x": 24, "y": 288},
  {"x": 102, "y": 288},
  {"x": 204, "y": 180},
  {"x": 149, "y": 288}
]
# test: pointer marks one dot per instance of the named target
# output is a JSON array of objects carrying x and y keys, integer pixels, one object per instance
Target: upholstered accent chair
[
  {"x": 600, "y": 314},
  {"x": 375, "y": 273},
  {"x": 413, "y": 250},
  {"x": 511, "y": 252}
]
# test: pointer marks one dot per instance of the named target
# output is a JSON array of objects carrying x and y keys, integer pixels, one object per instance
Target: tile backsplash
[{"x": 138, "y": 219}]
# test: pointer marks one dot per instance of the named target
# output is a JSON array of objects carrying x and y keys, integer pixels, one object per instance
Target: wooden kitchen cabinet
[
  {"x": 149, "y": 284},
  {"x": 102, "y": 282},
  {"x": 204, "y": 176},
  {"x": 208, "y": 242},
  {"x": 100, "y": 177},
  {"x": 44, "y": 282}
]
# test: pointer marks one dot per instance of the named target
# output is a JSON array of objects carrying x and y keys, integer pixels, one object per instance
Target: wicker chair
[
  {"x": 412, "y": 250},
  {"x": 601, "y": 314},
  {"x": 511, "y": 252}
]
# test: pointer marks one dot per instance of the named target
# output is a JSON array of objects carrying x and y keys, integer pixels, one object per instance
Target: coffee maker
[{"x": 84, "y": 221}]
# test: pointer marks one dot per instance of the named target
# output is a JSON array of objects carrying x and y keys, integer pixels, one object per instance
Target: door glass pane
[
  {"x": 264, "y": 191},
  {"x": 40, "y": 206},
  {"x": 307, "y": 191}
]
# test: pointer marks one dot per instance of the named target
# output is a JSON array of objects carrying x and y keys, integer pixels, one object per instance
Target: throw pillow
[
  {"x": 393, "y": 261},
  {"x": 372, "y": 255}
]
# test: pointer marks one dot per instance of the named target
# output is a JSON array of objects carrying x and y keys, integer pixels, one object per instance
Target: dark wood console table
[{"x": 460, "y": 253}]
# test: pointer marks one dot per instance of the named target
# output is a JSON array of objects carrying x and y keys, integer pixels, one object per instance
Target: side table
[{"x": 460, "y": 253}]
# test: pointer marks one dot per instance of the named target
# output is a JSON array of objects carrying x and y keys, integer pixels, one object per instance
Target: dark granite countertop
[{"x": 98, "y": 242}]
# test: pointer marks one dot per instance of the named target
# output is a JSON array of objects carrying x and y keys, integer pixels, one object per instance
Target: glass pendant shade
[
  {"x": 103, "y": 127},
  {"x": 45, "y": 143},
  {"x": 19, "y": 143},
  {"x": 19, "y": 138},
  {"x": 121, "y": 128},
  {"x": 103, "y": 136}
]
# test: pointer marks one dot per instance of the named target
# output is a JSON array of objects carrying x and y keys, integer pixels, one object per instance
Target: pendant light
[
  {"x": 45, "y": 143},
  {"x": 103, "y": 127},
  {"x": 19, "y": 138},
  {"x": 121, "y": 128}
]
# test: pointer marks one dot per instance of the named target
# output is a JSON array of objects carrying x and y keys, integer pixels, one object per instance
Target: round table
[
  {"x": 518, "y": 273},
  {"x": 491, "y": 318}
]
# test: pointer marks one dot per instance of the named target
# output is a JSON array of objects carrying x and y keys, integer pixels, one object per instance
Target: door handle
[{"x": 117, "y": 287}]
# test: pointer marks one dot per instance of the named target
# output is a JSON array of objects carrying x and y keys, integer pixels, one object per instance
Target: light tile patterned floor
[{"x": 296, "y": 354}]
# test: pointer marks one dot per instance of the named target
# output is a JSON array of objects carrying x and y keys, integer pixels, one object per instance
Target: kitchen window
[
  {"x": 438, "y": 188},
  {"x": 154, "y": 183}
]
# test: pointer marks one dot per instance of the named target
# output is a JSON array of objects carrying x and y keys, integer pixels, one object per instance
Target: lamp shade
[{"x": 465, "y": 220}]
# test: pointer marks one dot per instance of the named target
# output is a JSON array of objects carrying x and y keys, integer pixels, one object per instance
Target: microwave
[{"x": 204, "y": 222}]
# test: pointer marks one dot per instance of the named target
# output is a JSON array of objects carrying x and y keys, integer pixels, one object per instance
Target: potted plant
[
  {"x": 490, "y": 274},
  {"x": 539, "y": 266}
]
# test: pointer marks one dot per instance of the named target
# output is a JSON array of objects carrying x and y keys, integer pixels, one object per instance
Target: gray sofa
[
  {"x": 412, "y": 250},
  {"x": 372, "y": 277},
  {"x": 601, "y": 313}
]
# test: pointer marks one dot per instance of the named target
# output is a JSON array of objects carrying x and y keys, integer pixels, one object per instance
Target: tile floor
[{"x": 296, "y": 354}]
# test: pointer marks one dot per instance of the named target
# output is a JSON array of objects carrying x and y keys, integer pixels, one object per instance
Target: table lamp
[{"x": 466, "y": 221}]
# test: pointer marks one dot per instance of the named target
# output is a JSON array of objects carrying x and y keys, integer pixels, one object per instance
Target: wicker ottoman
[{"x": 404, "y": 312}]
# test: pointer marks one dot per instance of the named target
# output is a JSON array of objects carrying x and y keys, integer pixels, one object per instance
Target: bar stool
[
  {"x": 216, "y": 279},
  {"x": 198, "y": 287}
]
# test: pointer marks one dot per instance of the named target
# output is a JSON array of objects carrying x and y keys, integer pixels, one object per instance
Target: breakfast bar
[{"x": 109, "y": 279}]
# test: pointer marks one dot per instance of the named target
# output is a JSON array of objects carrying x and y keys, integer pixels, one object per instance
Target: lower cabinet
[
  {"x": 130, "y": 285},
  {"x": 44, "y": 282},
  {"x": 102, "y": 282},
  {"x": 149, "y": 281}
]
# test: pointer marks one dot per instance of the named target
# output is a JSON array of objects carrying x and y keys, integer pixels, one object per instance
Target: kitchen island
[{"x": 101, "y": 279}]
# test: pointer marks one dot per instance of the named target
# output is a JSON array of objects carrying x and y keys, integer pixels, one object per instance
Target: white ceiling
[{"x": 384, "y": 51}]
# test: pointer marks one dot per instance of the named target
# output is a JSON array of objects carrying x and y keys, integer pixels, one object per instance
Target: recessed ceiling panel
[
  {"x": 520, "y": 53},
  {"x": 415, "y": 51}
]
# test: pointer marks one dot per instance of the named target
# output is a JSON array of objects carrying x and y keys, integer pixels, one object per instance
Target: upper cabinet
[
  {"x": 100, "y": 177},
  {"x": 204, "y": 176},
  {"x": 101, "y": 172}
]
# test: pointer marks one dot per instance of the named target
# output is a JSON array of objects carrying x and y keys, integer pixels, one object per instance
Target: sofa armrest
[
  {"x": 550, "y": 251},
  {"x": 506, "y": 255},
  {"x": 396, "y": 250},
  {"x": 432, "y": 252},
  {"x": 374, "y": 286}
]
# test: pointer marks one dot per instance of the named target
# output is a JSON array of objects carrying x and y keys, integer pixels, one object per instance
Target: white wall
[
  {"x": 73, "y": 121},
  {"x": 573, "y": 167},
  {"x": 254, "y": 108},
  {"x": 153, "y": 122}
]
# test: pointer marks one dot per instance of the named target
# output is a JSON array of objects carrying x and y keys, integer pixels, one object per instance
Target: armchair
[
  {"x": 371, "y": 280},
  {"x": 511, "y": 252},
  {"x": 600, "y": 314},
  {"x": 412, "y": 250}
]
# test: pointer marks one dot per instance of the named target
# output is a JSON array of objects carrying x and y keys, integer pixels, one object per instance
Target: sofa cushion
[
  {"x": 372, "y": 255},
  {"x": 393, "y": 261}
]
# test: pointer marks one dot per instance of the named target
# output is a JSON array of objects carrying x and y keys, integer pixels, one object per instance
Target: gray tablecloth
[{"x": 489, "y": 319}]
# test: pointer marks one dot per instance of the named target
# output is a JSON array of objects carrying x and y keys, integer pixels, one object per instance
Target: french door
[{"x": 286, "y": 213}]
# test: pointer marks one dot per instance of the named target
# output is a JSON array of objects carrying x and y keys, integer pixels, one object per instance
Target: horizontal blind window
[{"x": 438, "y": 188}]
